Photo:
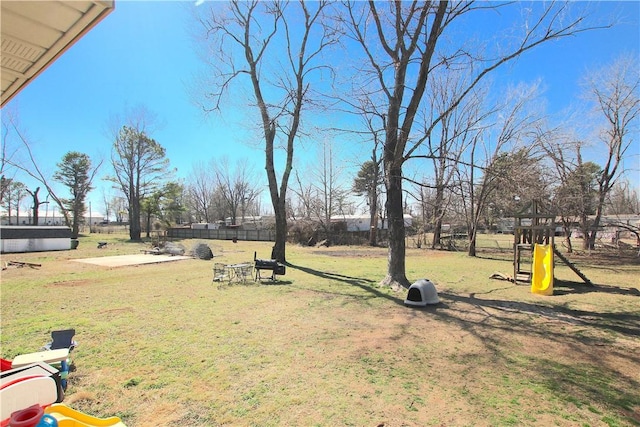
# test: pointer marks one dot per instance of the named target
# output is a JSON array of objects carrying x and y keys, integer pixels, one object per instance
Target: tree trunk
[
  {"x": 148, "y": 224},
  {"x": 437, "y": 233},
  {"x": 473, "y": 226},
  {"x": 566, "y": 226},
  {"x": 396, "y": 277},
  {"x": 373, "y": 217},
  {"x": 75, "y": 216},
  {"x": 278, "y": 199},
  {"x": 36, "y": 205},
  {"x": 279, "y": 248},
  {"x": 591, "y": 243},
  {"x": 373, "y": 232},
  {"x": 134, "y": 221},
  {"x": 438, "y": 213},
  {"x": 584, "y": 227},
  {"x": 472, "y": 242}
]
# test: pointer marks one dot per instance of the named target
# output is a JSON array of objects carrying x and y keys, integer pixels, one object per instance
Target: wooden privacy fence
[{"x": 222, "y": 234}]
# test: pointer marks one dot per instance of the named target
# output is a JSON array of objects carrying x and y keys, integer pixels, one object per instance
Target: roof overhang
[{"x": 36, "y": 33}]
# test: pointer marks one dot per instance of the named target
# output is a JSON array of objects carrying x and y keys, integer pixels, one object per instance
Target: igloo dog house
[{"x": 422, "y": 293}]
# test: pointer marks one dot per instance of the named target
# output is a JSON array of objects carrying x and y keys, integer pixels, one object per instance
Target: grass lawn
[{"x": 161, "y": 345}]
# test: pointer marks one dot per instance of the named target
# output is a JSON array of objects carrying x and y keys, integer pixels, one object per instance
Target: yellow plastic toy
[
  {"x": 542, "y": 270},
  {"x": 68, "y": 417}
]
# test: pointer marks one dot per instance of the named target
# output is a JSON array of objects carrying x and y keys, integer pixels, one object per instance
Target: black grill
[{"x": 276, "y": 268}]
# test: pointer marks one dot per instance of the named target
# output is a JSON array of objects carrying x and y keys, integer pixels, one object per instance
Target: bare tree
[
  {"x": 238, "y": 187},
  {"x": 369, "y": 179},
  {"x": 583, "y": 187},
  {"x": 305, "y": 198},
  {"x": 328, "y": 186},
  {"x": 107, "y": 203},
  {"x": 574, "y": 193},
  {"x": 320, "y": 192},
  {"x": 247, "y": 38},
  {"x": 36, "y": 204},
  {"x": 120, "y": 208},
  {"x": 14, "y": 193},
  {"x": 499, "y": 158},
  {"x": 446, "y": 147},
  {"x": 401, "y": 44},
  {"x": 5, "y": 155},
  {"x": 623, "y": 199},
  {"x": 200, "y": 190},
  {"x": 31, "y": 167},
  {"x": 140, "y": 166},
  {"x": 614, "y": 92}
]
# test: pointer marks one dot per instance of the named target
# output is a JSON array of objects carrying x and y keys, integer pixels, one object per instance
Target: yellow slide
[
  {"x": 542, "y": 270},
  {"x": 68, "y": 417}
]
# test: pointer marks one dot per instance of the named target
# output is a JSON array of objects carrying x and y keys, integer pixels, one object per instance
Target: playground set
[
  {"x": 32, "y": 388},
  {"x": 534, "y": 233}
]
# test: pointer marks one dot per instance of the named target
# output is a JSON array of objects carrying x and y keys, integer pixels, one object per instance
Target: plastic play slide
[
  {"x": 68, "y": 417},
  {"x": 542, "y": 270}
]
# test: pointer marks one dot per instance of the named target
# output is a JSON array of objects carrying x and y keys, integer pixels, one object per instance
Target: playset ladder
[{"x": 573, "y": 267}]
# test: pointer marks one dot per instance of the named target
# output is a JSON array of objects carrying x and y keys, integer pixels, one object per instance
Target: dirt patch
[{"x": 69, "y": 284}]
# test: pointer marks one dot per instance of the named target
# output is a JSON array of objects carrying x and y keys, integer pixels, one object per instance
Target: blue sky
[{"x": 142, "y": 53}]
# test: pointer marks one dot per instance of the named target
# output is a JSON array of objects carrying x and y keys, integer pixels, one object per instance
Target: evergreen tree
[{"x": 76, "y": 173}]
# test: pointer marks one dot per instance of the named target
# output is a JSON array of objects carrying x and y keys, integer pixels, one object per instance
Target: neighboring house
[
  {"x": 248, "y": 222},
  {"x": 205, "y": 226},
  {"x": 629, "y": 219},
  {"x": 363, "y": 222},
  {"x": 609, "y": 225},
  {"x": 47, "y": 219},
  {"x": 505, "y": 225}
]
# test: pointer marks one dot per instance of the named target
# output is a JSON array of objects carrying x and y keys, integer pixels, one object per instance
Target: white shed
[{"x": 18, "y": 238}]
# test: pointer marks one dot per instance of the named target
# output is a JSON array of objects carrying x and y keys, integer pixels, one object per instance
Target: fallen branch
[{"x": 20, "y": 264}]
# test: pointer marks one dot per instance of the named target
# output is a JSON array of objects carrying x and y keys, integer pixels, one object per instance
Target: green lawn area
[{"x": 160, "y": 344}]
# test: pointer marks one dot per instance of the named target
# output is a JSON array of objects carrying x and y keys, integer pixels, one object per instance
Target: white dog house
[{"x": 422, "y": 293}]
